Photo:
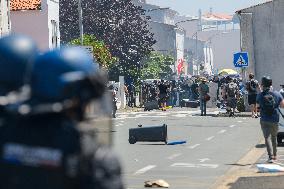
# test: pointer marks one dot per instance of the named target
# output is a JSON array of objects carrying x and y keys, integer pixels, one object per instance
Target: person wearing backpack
[
  {"x": 232, "y": 93},
  {"x": 252, "y": 87},
  {"x": 268, "y": 102}
]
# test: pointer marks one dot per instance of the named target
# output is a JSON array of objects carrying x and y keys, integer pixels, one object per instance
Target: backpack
[
  {"x": 252, "y": 85},
  {"x": 269, "y": 104},
  {"x": 231, "y": 90},
  {"x": 204, "y": 88}
]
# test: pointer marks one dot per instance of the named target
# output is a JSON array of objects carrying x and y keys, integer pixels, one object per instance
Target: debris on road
[
  {"x": 148, "y": 134},
  {"x": 156, "y": 184},
  {"x": 270, "y": 168},
  {"x": 177, "y": 142}
]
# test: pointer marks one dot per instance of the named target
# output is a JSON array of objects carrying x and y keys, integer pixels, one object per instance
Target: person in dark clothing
[
  {"x": 232, "y": 93},
  {"x": 268, "y": 102},
  {"x": 50, "y": 144},
  {"x": 131, "y": 93},
  {"x": 203, "y": 91},
  {"x": 194, "y": 90},
  {"x": 252, "y": 87},
  {"x": 163, "y": 90}
]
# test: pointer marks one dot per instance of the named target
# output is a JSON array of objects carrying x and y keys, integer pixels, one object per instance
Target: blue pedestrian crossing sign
[{"x": 241, "y": 59}]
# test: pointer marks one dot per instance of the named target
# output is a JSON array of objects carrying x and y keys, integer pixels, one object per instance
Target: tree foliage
[
  {"x": 100, "y": 50},
  {"x": 120, "y": 24},
  {"x": 157, "y": 66}
]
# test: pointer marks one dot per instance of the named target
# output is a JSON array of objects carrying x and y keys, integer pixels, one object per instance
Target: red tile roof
[
  {"x": 25, "y": 5},
  {"x": 217, "y": 16}
]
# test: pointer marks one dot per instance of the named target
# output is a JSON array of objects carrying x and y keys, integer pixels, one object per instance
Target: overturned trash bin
[{"x": 148, "y": 134}]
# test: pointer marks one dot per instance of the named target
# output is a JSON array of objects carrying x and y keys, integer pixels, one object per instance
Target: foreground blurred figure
[
  {"x": 17, "y": 55},
  {"x": 45, "y": 148}
]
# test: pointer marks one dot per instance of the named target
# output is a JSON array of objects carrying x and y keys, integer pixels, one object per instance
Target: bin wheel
[{"x": 132, "y": 140}]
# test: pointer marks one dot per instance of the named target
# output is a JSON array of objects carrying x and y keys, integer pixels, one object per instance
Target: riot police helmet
[
  {"x": 17, "y": 54},
  {"x": 64, "y": 74}
]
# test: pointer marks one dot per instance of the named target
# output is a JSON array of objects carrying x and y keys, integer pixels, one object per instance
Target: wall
[
  {"x": 36, "y": 23},
  {"x": 165, "y": 36},
  {"x": 157, "y": 13},
  {"x": 268, "y": 41},
  {"x": 190, "y": 53}
]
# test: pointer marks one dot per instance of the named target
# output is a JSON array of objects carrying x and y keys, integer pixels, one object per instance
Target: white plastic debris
[
  {"x": 270, "y": 168},
  {"x": 157, "y": 184}
]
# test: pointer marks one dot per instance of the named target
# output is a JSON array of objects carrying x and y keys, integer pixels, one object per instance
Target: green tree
[
  {"x": 100, "y": 50},
  {"x": 119, "y": 23},
  {"x": 157, "y": 66}
]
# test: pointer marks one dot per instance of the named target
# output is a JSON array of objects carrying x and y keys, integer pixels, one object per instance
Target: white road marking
[
  {"x": 210, "y": 138},
  {"x": 240, "y": 121},
  {"x": 203, "y": 160},
  {"x": 174, "y": 156},
  {"x": 190, "y": 165},
  {"x": 194, "y": 146},
  {"x": 232, "y": 126},
  {"x": 222, "y": 131},
  {"x": 144, "y": 170},
  {"x": 180, "y": 115}
]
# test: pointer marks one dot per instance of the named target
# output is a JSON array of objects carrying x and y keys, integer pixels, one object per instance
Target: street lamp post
[{"x": 80, "y": 11}]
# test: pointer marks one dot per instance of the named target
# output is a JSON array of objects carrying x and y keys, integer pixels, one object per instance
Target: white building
[
  {"x": 38, "y": 19},
  {"x": 262, "y": 29},
  {"x": 219, "y": 34},
  {"x": 169, "y": 37},
  {"x": 4, "y": 18}
]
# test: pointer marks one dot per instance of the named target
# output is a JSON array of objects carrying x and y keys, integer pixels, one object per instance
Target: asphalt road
[{"x": 214, "y": 145}]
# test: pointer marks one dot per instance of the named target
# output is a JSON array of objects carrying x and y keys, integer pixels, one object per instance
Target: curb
[{"x": 243, "y": 168}]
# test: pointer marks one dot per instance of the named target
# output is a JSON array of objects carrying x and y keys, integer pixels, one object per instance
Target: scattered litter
[
  {"x": 157, "y": 184},
  {"x": 270, "y": 168},
  {"x": 177, "y": 142}
]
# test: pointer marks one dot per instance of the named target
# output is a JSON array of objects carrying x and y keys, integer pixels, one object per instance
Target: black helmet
[
  {"x": 17, "y": 53},
  {"x": 266, "y": 81}
]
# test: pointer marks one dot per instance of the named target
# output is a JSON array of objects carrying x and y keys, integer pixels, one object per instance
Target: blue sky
[{"x": 190, "y": 7}]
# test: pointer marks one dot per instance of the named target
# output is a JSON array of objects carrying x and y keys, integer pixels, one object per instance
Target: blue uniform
[{"x": 50, "y": 152}]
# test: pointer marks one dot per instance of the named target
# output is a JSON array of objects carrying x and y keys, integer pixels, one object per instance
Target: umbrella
[{"x": 227, "y": 72}]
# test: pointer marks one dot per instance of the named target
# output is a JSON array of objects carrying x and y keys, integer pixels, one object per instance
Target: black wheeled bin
[{"x": 148, "y": 134}]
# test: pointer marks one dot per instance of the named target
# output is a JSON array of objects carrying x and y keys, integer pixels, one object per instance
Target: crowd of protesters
[
  {"x": 167, "y": 93},
  {"x": 170, "y": 93}
]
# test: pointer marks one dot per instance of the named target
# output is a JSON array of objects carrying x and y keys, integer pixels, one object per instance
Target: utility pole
[{"x": 80, "y": 11}]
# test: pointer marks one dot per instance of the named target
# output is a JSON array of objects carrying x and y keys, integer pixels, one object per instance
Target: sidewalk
[{"x": 244, "y": 174}]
